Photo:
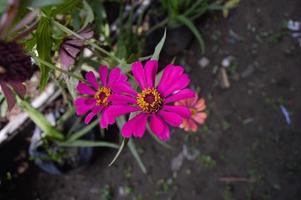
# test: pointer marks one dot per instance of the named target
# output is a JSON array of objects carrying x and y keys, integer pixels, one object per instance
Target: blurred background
[{"x": 244, "y": 58}]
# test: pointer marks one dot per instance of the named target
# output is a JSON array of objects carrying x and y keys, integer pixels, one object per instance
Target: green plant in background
[
  {"x": 206, "y": 161},
  {"x": 183, "y": 13}
]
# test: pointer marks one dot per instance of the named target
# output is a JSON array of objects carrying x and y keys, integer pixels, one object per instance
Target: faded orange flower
[{"x": 198, "y": 114}]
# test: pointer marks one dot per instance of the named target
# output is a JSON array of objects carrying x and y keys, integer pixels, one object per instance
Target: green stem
[
  {"x": 83, "y": 131},
  {"x": 57, "y": 68},
  {"x": 67, "y": 30},
  {"x": 87, "y": 143}
]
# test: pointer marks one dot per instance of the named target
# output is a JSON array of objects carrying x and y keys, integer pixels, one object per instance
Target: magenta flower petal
[
  {"x": 151, "y": 68},
  {"x": 171, "y": 118},
  {"x": 165, "y": 135},
  {"x": 94, "y": 112},
  {"x": 183, "y": 111},
  {"x": 165, "y": 74},
  {"x": 135, "y": 126},
  {"x": 178, "y": 84},
  {"x": 92, "y": 79},
  {"x": 8, "y": 95},
  {"x": 104, "y": 120},
  {"x": 89, "y": 117},
  {"x": 114, "y": 76},
  {"x": 121, "y": 99},
  {"x": 83, "y": 105},
  {"x": 156, "y": 124},
  {"x": 183, "y": 94},
  {"x": 170, "y": 74},
  {"x": 141, "y": 125},
  {"x": 103, "y": 74},
  {"x": 118, "y": 110},
  {"x": 83, "y": 88},
  {"x": 100, "y": 97},
  {"x": 123, "y": 88},
  {"x": 138, "y": 73},
  {"x": 159, "y": 128}
]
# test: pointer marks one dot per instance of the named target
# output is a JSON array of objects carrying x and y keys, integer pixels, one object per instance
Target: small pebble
[{"x": 204, "y": 62}]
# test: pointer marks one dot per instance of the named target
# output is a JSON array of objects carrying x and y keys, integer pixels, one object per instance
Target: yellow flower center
[
  {"x": 102, "y": 95},
  {"x": 149, "y": 100},
  {"x": 193, "y": 111}
]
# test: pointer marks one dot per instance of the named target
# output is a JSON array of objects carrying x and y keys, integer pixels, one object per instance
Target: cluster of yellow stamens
[
  {"x": 149, "y": 100},
  {"x": 102, "y": 95},
  {"x": 193, "y": 111}
]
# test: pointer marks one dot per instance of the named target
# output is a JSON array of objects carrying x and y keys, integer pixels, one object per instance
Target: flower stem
[
  {"x": 67, "y": 30},
  {"x": 57, "y": 68}
]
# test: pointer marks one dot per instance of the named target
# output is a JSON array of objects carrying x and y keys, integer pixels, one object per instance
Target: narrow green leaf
[
  {"x": 3, "y": 5},
  {"x": 42, "y": 3},
  {"x": 121, "y": 147},
  {"x": 193, "y": 29},
  {"x": 71, "y": 86},
  {"x": 83, "y": 131},
  {"x": 89, "y": 12},
  {"x": 87, "y": 143},
  {"x": 67, "y": 7},
  {"x": 38, "y": 118},
  {"x": 3, "y": 109},
  {"x": 135, "y": 153},
  {"x": 159, "y": 46},
  {"x": 44, "y": 44}
]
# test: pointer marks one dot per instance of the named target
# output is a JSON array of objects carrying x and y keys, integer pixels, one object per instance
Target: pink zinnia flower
[
  {"x": 153, "y": 102},
  {"x": 95, "y": 95},
  {"x": 198, "y": 116}
]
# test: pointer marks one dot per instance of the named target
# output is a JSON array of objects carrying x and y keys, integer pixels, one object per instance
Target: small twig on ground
[
  {"x": 223, "y": 78},
  {"x": 234, "y": 179}
]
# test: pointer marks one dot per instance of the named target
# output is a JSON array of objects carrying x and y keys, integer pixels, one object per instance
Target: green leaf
[
  {"x": 87, "y": 143},
  {"x": 66, "y": 7},
  {"x": 38, "y": 118},
  {"x": 83, "y": 131},
  {"x": 121, "y": 147},
  {"x": 3, "y": 109},
  {"x": 89, "y": 12},
  {"x": 159, "y": 46},
  {"x": 42, "y": 3},
  {"x": 135, "y": 153},
  {"x": 193, "y": 29},
  {"x": 71, "y": 85},
  {"x": 44, "y": 44},
  {"x": 120, "y": 122},
  {"x": 3, "y": 5}
]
